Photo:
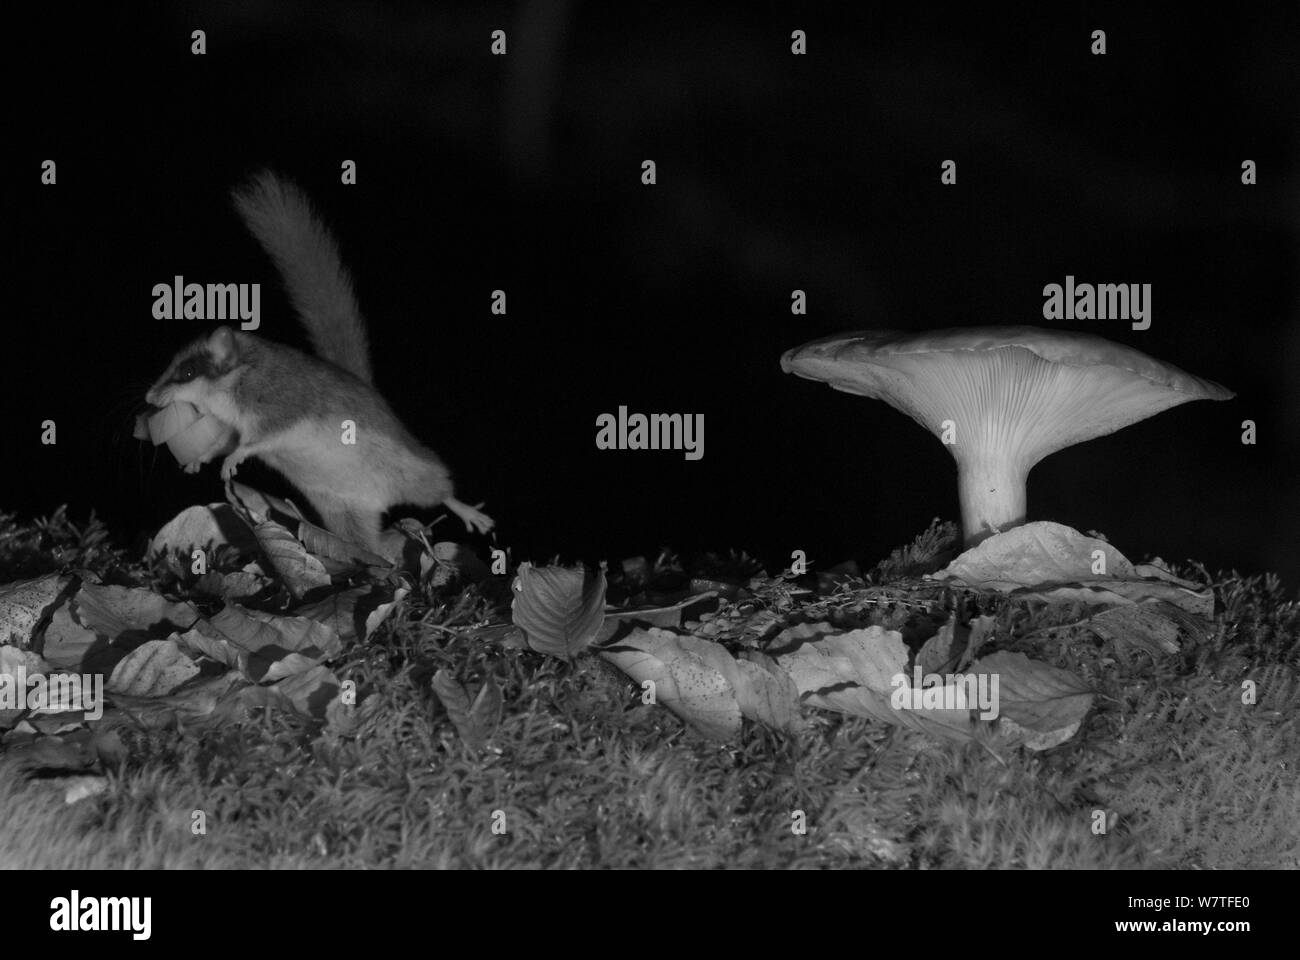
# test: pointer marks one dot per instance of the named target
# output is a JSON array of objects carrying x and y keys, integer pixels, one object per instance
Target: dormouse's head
[{"x": 197, "y": 370}]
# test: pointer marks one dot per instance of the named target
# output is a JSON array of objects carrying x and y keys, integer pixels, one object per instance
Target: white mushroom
[{"x": 1001, "y": 398}]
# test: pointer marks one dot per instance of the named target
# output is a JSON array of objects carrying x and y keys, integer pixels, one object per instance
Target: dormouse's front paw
[
  {"x": 473, "y": 518},
  {"x": 477, "y": 520},
  {"x": 192, "y": 467},
  {"x": 230, "y": 466}
]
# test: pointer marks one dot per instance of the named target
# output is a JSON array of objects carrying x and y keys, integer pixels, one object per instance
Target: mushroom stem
[{"x": 992, "y": 495}]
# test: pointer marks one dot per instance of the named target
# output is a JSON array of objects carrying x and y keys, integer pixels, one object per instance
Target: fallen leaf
[
  {"x": 194, "y": 702},
  {"x": 356, "y": 613},
  {"x": 114, "y": 611},
  {"x": 690, "y": 676},
  {"x": 560, "y": 609},
  {"x": 981, "y": 631},
  {"x": 870, "y": 657},
  {"x": 864, "y": 672},
  {"x": 1035, "y": 553},
  {"x": 155, "y": 668},
  {"x": 204, "y": 528},
  {"x": 23, "y": 604},
  {"x": 1139, "y": 625},
  {"x": 255, "y": 507},
  {"x": 474, "y": 720},
  {"x": 17, "y": 667},
  {"x": 13, "y": 658},
  {"x": 485, "y": 711},
  {"x": 299, "y": 570},
  {"x": 1035, "y": 695},
  {"x": 1034, "y": 740},
  {"x": 793, "y": 637},
  {"x": 310, "y": 691},
  {"x": 234, "y": 587},
  {"x": 942, "y": 650},
  {"x": 70, "y": 646},
  {"x": 264, "y": 646},
  {"x": 1052, "y": 562},
  {"x": 766, "y": 693}
]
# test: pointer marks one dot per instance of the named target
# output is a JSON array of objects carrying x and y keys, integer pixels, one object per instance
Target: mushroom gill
[{"x": 1001, "y": 398}]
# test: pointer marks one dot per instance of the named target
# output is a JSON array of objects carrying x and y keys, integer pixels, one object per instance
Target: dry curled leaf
[{"x": 300, "y": 570}]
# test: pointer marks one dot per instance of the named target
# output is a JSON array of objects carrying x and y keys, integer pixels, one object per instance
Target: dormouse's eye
[{"x": 186, "y": 371}]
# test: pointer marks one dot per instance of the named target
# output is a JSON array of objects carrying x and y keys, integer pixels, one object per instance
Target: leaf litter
[{"x": 246, "y": 605}]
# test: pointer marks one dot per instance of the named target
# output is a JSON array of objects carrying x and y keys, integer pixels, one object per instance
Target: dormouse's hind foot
[{"x": 474, "y": 519}]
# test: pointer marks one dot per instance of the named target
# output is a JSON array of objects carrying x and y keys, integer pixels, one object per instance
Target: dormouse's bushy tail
[{"x": 281, "y": 218}]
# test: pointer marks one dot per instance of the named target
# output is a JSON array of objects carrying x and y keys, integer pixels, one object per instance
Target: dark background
[{"x": 776, "y": 172}]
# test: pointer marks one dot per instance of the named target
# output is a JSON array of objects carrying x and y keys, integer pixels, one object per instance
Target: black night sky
[{"x": 775, "y": 172}]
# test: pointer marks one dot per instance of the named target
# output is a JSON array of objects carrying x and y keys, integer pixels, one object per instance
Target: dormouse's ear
[{"x": 222, "y": 346}]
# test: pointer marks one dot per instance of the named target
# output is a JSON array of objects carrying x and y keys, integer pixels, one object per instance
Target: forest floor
[{"x": 1174, "y": 765}]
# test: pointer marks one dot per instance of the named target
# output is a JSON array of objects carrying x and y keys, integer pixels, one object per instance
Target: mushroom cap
[{"x": 1026, "y": 391}]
